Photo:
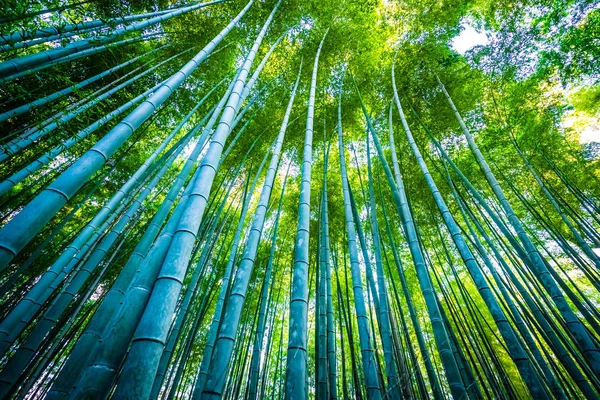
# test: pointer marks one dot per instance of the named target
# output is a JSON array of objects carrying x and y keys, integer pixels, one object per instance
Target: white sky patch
[
  {"x": 306, "y": 24},
  {"x": 468, "y": 38},
  {"x": 294, "y": 168},
  {"x": 590, "y": 134}
]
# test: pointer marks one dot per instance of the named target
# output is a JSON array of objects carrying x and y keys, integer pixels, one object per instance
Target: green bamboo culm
[
  {"x": 296, "y": 374},
  {"x": 368, "y": 359},
  {"x": 321, "y": 329},
  {"x": 258, "y": 340},
  {"x": 386, "y": 329},
  {"x": 425, "y": 353}
]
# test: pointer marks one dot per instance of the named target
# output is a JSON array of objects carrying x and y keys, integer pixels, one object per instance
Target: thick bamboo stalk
[
  {"x": 258, "y": 342},
  {"x": 117, "y": 335},
  {"x": 386, "y": 330},
  {"x": 226, "y": 337},
  {"x": 296, "y": 374},
  {"x": 190, "y": 292},
  {"x": 218, "y": 313},
  {"x": 225, "y": 284}
]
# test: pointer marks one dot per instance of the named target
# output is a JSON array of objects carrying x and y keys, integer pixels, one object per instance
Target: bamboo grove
[{"x": 299, "y": 199}]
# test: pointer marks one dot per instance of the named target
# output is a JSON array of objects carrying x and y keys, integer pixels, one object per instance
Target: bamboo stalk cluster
[{"x": 190, "y": 279}]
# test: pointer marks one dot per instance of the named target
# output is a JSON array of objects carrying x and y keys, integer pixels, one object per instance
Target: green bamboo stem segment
[
  {"x": 386, "y": 329},
  {"x": 425, "y": 353},
  {"x": 296, "y": 370},
  {"x": 10, "y": 374},
  {"x": 225, "y": 286},
  {"x": 191, "y": 290},
  {"x": 84, "y": 346},
  {"x": 227, "y": 333},
  {"x": 218, "y": 312},
  {"x": 260, "y": 330},
  {"x": 321, "y": 334}
]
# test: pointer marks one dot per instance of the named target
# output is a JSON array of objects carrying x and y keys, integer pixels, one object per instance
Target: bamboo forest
[{"x": 300, "y": 199}]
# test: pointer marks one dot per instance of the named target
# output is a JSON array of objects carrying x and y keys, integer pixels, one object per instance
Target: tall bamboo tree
[
  {"x": 296, "y": 375},
  {"x": 368, "y": 359}
]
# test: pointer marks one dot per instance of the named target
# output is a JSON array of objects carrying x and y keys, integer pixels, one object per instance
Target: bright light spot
[
  {"x": 587, "y": 127},
  {"x": 468, "y": 39},
  {"x": 306, "y": 24},
  {"x": 294, "y": 168},
  {"x": 590, "y": 134}
]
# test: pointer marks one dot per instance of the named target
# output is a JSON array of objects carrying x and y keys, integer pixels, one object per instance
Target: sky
[{"x": 467, "y": 39}]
